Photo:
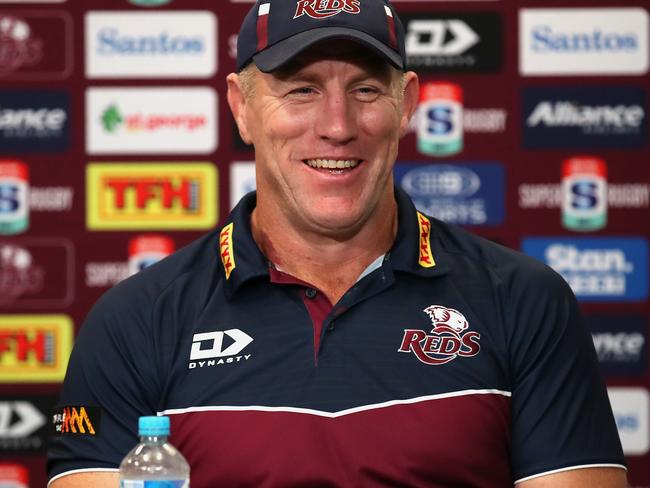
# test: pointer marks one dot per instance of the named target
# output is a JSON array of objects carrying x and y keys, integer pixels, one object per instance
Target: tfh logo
[
  {"x": 321, "y": 9},
  {"x": 449, "y": 338}
]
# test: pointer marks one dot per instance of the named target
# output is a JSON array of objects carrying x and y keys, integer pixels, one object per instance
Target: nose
[{"x": 338, "y": 119}]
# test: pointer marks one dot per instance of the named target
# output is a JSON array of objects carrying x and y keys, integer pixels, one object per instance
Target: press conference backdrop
[{"x": 117, "y": 147}]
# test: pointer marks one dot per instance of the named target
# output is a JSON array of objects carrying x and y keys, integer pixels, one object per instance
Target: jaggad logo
[
  {"x": 321, "y": 9},
  {"x": 208, "y": 346},
  {"x": 449, "y": 338}
]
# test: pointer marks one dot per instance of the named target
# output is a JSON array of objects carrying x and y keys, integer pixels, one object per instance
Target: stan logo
[
  {"x": 76, "y": 420},
  {"x": 321, "y": 9},
  {"x": 211, "y": 345},
  {"x": 225, "y": 248},
  {"x": 426, "y": 258},
  {"x": 449, "y": 338}
]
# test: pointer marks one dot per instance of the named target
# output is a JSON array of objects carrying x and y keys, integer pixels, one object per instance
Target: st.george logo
[
  {"x": 321, "y": 9},
  {"x": 448, "y": 339}
]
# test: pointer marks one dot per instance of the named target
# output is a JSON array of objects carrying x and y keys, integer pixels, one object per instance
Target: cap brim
[{"x": 284, "y": 51}]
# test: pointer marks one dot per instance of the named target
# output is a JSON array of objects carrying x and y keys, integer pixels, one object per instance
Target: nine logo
[
  {"x": 464, "y": 194},
  {"x": 584, "y": 191},
  {"x": 440, "y": 123},
  {"x": 151, "y": 196},
  {"x": 14, "y": 203},
  {"x": 34, "y": 348},
  {"x": 598, "y": 269}
]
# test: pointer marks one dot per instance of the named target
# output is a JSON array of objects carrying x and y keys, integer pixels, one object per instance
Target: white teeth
[{"x": 332, "y": 163}]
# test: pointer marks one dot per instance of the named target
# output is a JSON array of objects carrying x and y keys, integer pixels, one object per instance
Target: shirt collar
[{"x": 417, "y": 248}]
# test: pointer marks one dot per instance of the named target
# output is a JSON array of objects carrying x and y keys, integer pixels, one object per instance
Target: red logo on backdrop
[
  {"x": 449, "y": 338},
  {"x": 321, "y": 9}
]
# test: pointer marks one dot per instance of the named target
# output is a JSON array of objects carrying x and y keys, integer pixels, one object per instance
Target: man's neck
[{"x": 328, "y": 262}]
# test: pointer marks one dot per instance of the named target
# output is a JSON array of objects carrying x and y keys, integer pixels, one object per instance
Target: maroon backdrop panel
[{"x": 117, "y": 147}]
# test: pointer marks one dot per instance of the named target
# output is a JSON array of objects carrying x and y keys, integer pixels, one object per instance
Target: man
[{"x": 328, "y": 334}]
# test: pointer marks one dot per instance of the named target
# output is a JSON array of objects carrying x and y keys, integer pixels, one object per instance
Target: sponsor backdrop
[{"x": 117, "y": 147}]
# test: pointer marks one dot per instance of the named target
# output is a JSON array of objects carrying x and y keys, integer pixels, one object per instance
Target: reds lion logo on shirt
[
  {"x": 448, "y": 339},
  {"x": 321, "y": 9}
]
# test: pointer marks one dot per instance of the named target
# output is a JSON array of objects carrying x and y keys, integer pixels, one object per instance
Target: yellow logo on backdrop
[
  {"x": 34, "y": 348},
  {"x": 122, "y": 196}
]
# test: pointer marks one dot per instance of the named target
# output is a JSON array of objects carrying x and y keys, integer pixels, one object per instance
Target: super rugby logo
[
  {"x": 321, "y": 9},
  {"x": 449, "y": 338}
]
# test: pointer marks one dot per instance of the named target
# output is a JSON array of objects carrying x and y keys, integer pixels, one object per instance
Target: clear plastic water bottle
[{"x": 154, "y": 462}]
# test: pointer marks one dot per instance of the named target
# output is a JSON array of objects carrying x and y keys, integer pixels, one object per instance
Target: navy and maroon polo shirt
[{"x": 452, "y": 361}]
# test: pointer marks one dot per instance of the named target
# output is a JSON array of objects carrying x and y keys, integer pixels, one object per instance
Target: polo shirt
[{"x": 452, "y": 361}]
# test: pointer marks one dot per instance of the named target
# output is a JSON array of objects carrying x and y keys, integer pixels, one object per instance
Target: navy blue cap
[{"x": 275, "y": 31}]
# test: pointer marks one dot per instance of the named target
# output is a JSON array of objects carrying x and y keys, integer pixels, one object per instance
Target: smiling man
[{"x": 329, "y": 334}]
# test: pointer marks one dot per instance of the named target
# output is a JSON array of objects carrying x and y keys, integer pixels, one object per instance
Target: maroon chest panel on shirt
[
  {"x": 316, "y": 303},
  {"x": 440, "y": 442}
]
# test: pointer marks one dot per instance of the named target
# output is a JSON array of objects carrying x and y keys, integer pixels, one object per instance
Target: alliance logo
[
  {"x": 207, "y": 346},
  {"x": 467, "y": 194},
  {"x": 449, "y": 338},
  {"x": 321, "y": 9}
]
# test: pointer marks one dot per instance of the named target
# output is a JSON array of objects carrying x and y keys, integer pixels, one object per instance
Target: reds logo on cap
[
  {"x": 321, "y": 9},
  {"x": 449, "y": 337}
]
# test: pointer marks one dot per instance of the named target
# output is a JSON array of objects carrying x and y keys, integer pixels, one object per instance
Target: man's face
[{"x": 326, "y": 131}]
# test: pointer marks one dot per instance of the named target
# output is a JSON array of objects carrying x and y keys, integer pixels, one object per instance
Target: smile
[{"x": 332, "y": 163}]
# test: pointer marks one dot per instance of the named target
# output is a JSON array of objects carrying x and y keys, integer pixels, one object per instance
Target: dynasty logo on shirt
[{"x": 449, "y": 337}]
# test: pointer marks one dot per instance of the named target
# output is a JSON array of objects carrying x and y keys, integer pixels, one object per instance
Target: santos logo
[
  {"x": 599, "y": 41},
  {"x": 151, "y": 44},
  {"x": 225, "y": 345}
]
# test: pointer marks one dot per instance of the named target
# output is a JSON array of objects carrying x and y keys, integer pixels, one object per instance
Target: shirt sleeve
[
  {"x": 111, "y": 380},
  {"x": 561, "y": 415}
]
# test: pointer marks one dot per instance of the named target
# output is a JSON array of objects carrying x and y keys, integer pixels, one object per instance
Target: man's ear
[
  {"x": 237, "y": 102},
  {"x": 410, "y": 101}
]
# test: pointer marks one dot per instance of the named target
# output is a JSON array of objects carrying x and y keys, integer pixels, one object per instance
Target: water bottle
[{"x": 154, "y": 462}]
